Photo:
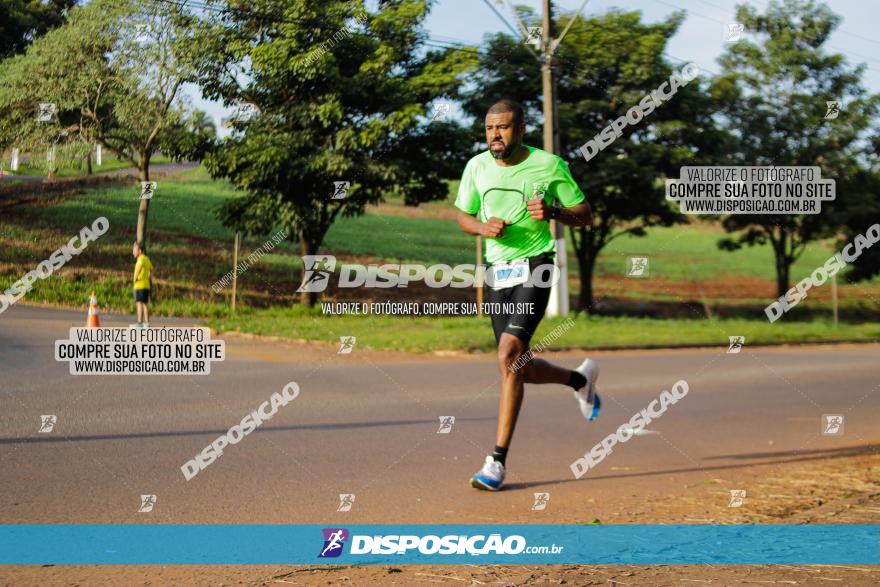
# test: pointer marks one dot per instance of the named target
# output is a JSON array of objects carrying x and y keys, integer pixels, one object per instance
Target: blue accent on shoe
[
  {"x": 479, "y": 482},
  {"x": 597, "y": 403}
]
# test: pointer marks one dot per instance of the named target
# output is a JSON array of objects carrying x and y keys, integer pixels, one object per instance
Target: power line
[
  {"x": 454, "y": 43},
  {"x": 840, "y": 30},
  {"x": 664, "y": 53},
  {"x": 859, "y": 36},
  {"x": 854, "y": 53},
  {"x": 434, "y": 44},
  {"x": 209, "y": 6},
  {"x": 722, "y": 22},
  {"x": 504, "y": 20},
  {"x": 570, "y": 24}
]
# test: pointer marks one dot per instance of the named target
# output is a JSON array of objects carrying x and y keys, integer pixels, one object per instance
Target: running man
[
  {"x": 508, "y": 195},
  {"x": 143, "y": 270}
]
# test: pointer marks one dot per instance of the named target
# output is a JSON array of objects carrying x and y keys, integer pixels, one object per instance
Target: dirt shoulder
[{"x": 833, "y": 490}]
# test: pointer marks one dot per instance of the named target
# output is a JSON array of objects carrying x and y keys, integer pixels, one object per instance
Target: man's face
[
  {"x": 503, "y": 135},
  {"x": 135, "y": 251}
]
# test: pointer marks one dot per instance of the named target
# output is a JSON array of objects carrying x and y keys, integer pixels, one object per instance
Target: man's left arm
[
  {"x": 138, "y": 269},
  {"x": 574, "y": 210},
  {"x": 578, "y": 215}
]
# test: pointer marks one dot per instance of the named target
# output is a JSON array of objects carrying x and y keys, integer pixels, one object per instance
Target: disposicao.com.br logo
[
  {"x": 318, "y": 269},
  {"x": 452, "y": 544}
]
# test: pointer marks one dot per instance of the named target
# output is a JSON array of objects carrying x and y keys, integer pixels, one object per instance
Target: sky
[{"x": 700, "y": 39}]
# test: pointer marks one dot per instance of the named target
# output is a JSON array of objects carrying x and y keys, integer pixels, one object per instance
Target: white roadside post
[
  {"x": 235, "y": 268},
  {"x": 479, "y": 276},
  {"x": 834, "y": 297},
  {"x": 98, "y": 155},
  {"x": 50, "y": 163},
  {"x": 558, "y": 304},
  {"x": 14, "y": 163}
]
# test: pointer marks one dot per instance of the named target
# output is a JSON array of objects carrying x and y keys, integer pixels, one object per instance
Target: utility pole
[
  {"x": 558, "y": 305},
  {"x": 547, "y": 81}
]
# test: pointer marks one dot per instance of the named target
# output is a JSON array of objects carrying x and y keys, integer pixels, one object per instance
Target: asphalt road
[{"x": 366, "y": 424}]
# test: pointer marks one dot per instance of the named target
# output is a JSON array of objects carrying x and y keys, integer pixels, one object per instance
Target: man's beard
[{"x": 506, "y": 153}]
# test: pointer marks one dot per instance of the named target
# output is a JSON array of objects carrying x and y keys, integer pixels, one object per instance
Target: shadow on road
[
  {"x": 757, "y": 459},
  {"x": 214, "y": 433}
]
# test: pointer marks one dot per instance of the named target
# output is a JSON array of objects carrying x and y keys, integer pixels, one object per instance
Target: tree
[
  {"x": 605, "y": 66},
  {"x": 190, "y": 138},
  {"x": 860, "y": 212},
  {"x": 44, "y": 92},
  {"x": 340, "y": 96},
  {"x": 787, "y": 126},
  {"x": 21, "y": 21},
  {"x": 114, "y": 73}
]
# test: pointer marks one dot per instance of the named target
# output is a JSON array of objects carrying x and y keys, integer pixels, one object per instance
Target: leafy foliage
[
  {"x": 21, "y": 21},
  {"x": 773, "y": 96},
  {"x": 341, "y": 95}
]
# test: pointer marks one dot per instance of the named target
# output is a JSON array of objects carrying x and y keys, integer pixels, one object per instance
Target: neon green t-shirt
[
  {"x": 488, "y": 189},
  {"x": 144, "y": 281}
]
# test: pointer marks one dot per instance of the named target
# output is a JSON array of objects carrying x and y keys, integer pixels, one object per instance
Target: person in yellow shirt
[{"x": 143, "y": 270}]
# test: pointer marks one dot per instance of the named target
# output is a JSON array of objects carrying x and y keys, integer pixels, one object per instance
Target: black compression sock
[
  {"x": 500, "y": 454},
  {"x": 576, "y": 380}
]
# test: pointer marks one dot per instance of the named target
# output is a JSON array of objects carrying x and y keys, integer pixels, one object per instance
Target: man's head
[
  {"x": 505, "y": 127},
  {"x": 136, "y": 250}
]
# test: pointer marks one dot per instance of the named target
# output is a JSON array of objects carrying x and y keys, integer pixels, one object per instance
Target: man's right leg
[
  {"x": 491, "y": 476},
  {"x": 140, "y": 311},
  {"x": 510, "y": 349},
  {"x": 541, "y": 371},
  {"x": 582, "y": 380}
]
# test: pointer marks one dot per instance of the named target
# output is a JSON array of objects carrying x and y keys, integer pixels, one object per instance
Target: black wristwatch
[{"x": 555, "y": 212}]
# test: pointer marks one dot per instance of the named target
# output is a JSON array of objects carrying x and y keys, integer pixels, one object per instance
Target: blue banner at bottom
[{"x": 636, "y": 544}]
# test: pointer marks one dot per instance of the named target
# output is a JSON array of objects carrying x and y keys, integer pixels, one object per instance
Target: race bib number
[{"x": 504, "y": 275}]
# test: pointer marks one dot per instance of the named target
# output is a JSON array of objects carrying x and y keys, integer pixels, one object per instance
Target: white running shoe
[
  {"x": 490, "y": 477},
  {"x": 587, "y": 396}
]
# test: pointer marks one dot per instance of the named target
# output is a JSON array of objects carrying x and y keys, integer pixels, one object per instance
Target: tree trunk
[
  {"x": 783, "y": 264},
  {"x": 782, "y": 273},
  {"x": 586, "y": 258},
  {"x": 89, "y": 162},
  {"x": 308, "y": 247},
  {"x": 144, "y": 208},
  {"x": 585, "y": 268}
]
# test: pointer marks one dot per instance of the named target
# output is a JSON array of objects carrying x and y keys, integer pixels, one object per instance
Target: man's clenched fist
[
  {"x": 494, "y": 228},
  {"x": 539, "y": 209}
]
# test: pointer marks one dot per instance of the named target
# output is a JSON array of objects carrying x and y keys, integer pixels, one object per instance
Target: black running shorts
[
  {"x": 521, "y": 324},
  {"x": 142, "y": 295}
]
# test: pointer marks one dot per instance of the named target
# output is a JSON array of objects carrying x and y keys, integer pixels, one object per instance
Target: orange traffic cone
[{"x": 92, "y": 320}]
